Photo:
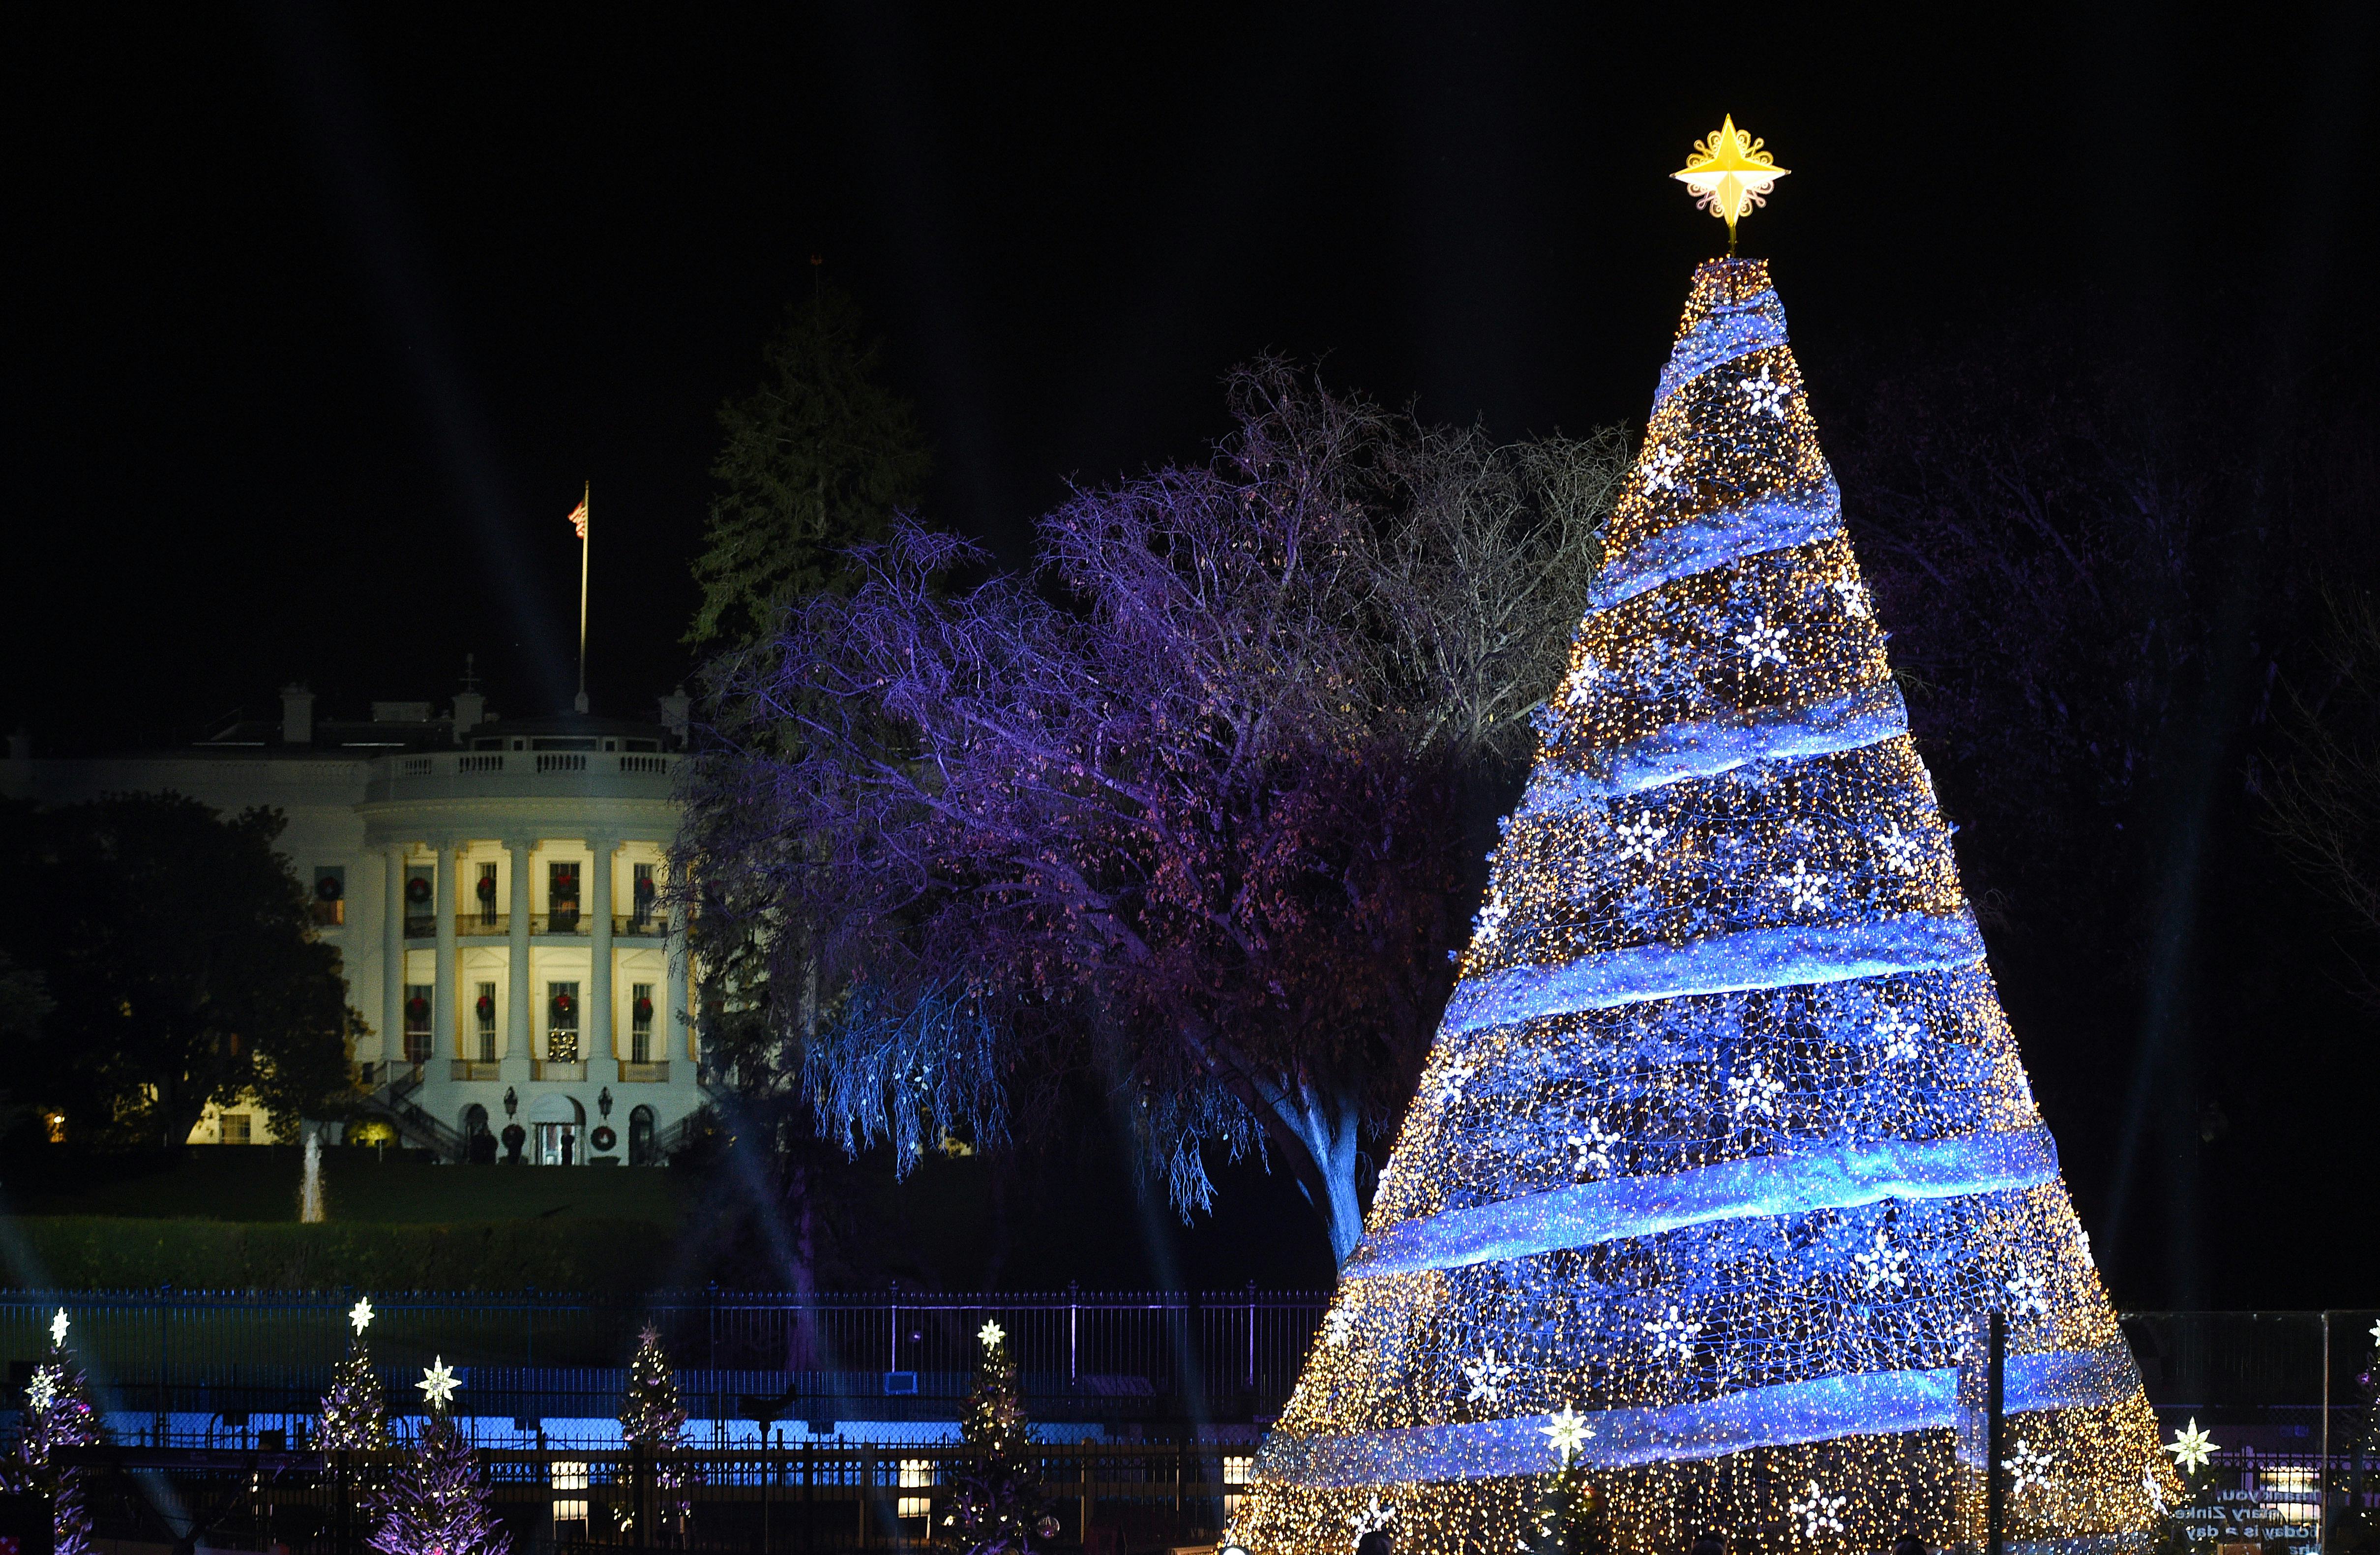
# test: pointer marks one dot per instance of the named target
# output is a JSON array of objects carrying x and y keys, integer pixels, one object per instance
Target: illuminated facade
[
  {"x": 498, "y": 892},
  {"x": 1724, "y": 1148}
]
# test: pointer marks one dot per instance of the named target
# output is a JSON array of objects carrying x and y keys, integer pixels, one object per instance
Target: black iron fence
[{"x": 808, "y": 1498}]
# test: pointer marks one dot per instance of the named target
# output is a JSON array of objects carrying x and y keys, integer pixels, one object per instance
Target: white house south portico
[
  {"x": 544, "y": 981},
  {"x": 499, "y": 892}
]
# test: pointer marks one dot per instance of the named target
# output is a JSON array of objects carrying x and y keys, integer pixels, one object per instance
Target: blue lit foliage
[{"x": 1724, "y": 1143}]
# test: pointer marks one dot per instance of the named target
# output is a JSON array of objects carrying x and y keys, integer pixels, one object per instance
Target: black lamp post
[
  {"x": 604, "y": 1102},
  {"x": 512, "y": 1101}
]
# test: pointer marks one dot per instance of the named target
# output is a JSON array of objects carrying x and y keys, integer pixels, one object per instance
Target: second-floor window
[
  {"x": 484, "y": 895},
  {"x": 640, "y": 1023},
  {"x": 484, "y": 1007},
  {"x": 562, "y": 897},
  {"x": 642, "y": 895},
  {"x": 417, "y": 1022}
]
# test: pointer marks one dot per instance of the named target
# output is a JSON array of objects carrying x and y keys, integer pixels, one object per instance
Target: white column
[
  {"x": 392, "y": 956},
  {"x": 599, "y": 982},
  {"x": 517, "y": 1008},
  {"x": 443, "y": 1045}
]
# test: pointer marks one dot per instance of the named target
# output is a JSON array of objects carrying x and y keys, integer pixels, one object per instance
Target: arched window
[{"x": 640, "y": 1136}]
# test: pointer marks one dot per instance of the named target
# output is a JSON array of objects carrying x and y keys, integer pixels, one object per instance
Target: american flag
[{"x": 578, "y": 518}]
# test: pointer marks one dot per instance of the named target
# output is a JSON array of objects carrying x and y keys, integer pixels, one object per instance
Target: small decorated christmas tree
[
  {"x": 1562, "y": 1519},
  {"x": 353, "y": 1419},
  {"x": 652, "y": 1417},
  {"x": 439, "y": 1504},
  {"x": 998, "y": 1507},
  {"x": 58, "y": 1413},
  {"x": 650, "y": 1414}
]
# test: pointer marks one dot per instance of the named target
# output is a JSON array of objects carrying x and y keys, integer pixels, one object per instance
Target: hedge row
[{"x": 89, "y": 1252}]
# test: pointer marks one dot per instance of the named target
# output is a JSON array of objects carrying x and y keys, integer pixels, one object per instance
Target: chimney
[
  {"x": 677, "y": 712},
  {"x": 297, "y": 715}
]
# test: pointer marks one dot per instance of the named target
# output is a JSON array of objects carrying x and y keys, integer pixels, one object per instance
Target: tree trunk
[{"x": 1322, "y": 1131}]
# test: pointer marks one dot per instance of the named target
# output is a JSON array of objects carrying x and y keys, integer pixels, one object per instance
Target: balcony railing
[
  {"x": 472, "y": 1069},
  {"x": 570, "y": 922},
  {"x": 419, "y": 926},
  {"x": 483, "y": 923},
  {"x": 634, "y": 1074},
  {"x": 558, "y": 1069},
  {"x": 641, "y": 926}
]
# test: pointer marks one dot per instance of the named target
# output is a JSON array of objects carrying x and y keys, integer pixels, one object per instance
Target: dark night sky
[{"x": 323, "y": 315}]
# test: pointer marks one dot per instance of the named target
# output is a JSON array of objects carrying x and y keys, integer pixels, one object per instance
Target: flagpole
[{"x": 585, "y": 532}]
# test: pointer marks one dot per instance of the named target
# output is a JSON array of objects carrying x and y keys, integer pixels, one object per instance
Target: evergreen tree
[
  {"x": 439, "y": 1503},
  {"x": 352, "y": 1418},
  {"x": 816, "y": 460},
  {"x": 58, "y": 1413},
  {"x": 1724, "y": 1137},
  {"x": 997, "y": 1507},
  {"x": 650, "y": 1414},
  {"x": 1563, "y": 1518}
]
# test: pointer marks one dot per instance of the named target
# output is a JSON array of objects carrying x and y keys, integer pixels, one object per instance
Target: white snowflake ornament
[
  {"x": 1673, "y": 1334},
  {"x": 1899, "y": 1033},
  {"x": 1883, "y": 1264},
  {"x": 1761, "y": 641},
  {"x": 1373, "y": 1518},
  {"x": 1753, "y": 1090},
  {"x": 2028, "y": 1292},
  {"x": 2028, "y": 1466},
  {"x": 1637, "y": 840},
  {"x": 1766, "y": 393},
  {"x": 1817, "y": 1512},
  {"x": 1337, "y": 1329},
  {"x": 1661, "y": 468},
  {"x": 1804, "y": 888},
  {"x": 1486, "y": 1375}
]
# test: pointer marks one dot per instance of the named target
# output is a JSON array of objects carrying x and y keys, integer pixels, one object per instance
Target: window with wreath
[
  {"x": 640, "y": 1023},
  {"x": 562, "y": 1023},
  {"x": 417, "y": 1022}
]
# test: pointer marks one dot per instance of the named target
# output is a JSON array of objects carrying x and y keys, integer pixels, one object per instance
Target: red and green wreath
[
  {"x": 563, "y": 1003},
  {"x": 417, "y": 889}
]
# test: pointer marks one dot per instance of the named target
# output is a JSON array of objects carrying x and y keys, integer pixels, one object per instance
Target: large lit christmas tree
[{"x": 1724, "y": 1147}]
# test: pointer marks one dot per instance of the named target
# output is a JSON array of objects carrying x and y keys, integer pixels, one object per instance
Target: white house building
[{"x": 497, "y": 889}]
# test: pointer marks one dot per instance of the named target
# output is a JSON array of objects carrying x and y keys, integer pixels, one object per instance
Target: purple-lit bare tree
[{"x": 1187, "y": 810}]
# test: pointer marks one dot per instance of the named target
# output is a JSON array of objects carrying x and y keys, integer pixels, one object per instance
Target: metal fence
[
  {"x": 877, "y": 1355},
  {"x": 809, "y": 1498}
]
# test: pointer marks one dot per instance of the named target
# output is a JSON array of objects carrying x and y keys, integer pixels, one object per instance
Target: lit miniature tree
[
  {"x": 997, "y": 1507},
  {"x": 652, "y": 1417},
  {"x": 354, "y": 1419},
  {"x": 650, "y": 1414},
  {"x": 1562, "y": 1519},
  {"x": 1724, "y": 1139},
  {"x": 58, "y": 1413},
  {"x": 438, "y": 1504}
]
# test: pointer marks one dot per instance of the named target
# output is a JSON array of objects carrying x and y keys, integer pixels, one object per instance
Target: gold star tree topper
[{"x": 1731, "y": 174}]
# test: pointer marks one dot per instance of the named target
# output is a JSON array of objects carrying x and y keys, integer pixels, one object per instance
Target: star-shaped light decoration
[
  {"x": 2375, "y": 1333},
  {"x": 2154, "y": 1492},
  {"x": 1373, "y": 1518},
  {"x": 58, "y": 1326},
  {"x": 438, "y": 1383},
  {"x": 360, "y": 1315},
  {"x": 1731, "y": 174},
  {"x": 1338, "y": 1328},
  {"x": 2192, "y": 1447},
  {"x": 1486, "y": 1375},
  {"x": 43, "y": 1390},
  {"x": 1567, "y": 1434},
  {"x": 991, "y": 1334},
  {"x": 1818, "y": 1511},
  {"x": 2030, "y": 1466}
]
